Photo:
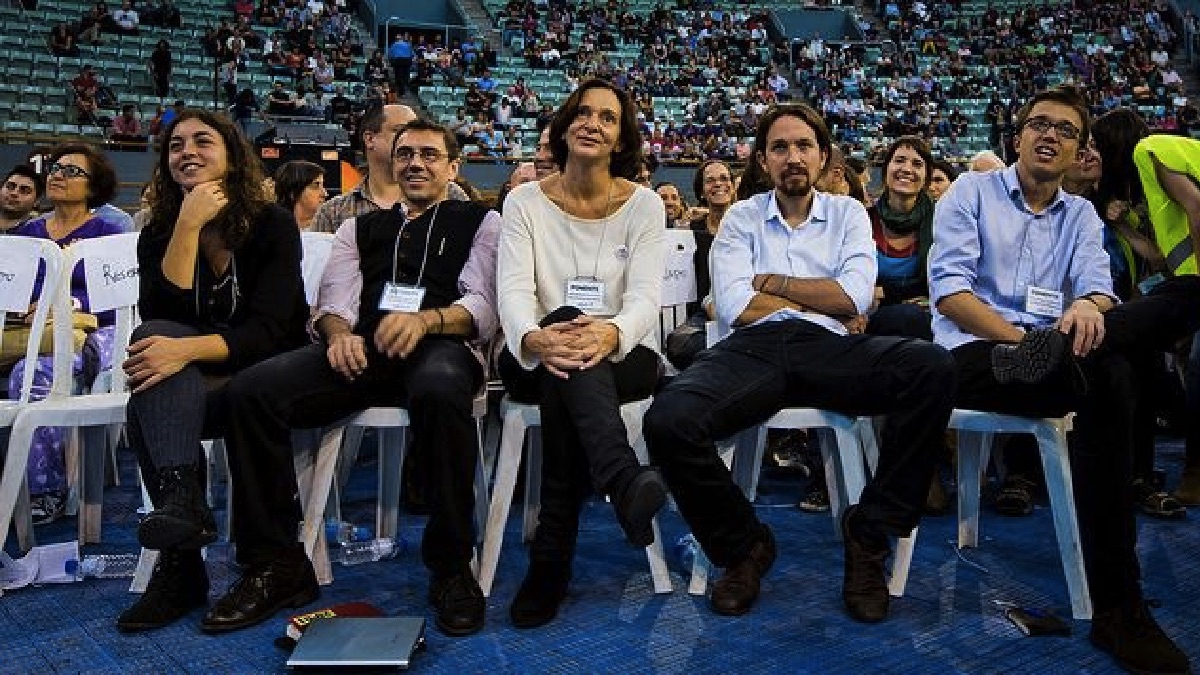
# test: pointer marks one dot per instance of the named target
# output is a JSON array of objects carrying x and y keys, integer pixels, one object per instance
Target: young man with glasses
[
  {"x": 793, "y": 271},
  {"x": 19, "y": 193},
  {"x": 1022, "y": 296},
  {"x": 406, "y": 302}
]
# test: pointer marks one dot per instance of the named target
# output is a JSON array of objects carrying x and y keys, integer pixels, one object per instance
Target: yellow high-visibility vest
[{"x": 1172, "y": 230}]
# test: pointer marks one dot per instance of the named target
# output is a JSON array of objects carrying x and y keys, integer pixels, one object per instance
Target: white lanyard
[{"x": 424, "y": 254}]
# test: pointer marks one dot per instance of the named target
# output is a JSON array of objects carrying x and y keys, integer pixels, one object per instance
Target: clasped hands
[
  {"x": 577, "y": 344},
  {"x": 397, "y": 335}
]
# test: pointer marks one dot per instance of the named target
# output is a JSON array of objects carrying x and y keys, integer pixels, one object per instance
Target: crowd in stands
[{"x": 99, "y": 21}]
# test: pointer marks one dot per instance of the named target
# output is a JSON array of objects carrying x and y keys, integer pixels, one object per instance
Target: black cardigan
[{"x": 271, "y": 312}]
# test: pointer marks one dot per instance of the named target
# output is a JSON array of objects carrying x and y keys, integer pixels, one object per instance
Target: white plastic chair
[
  {"x": 522, "y": 432},
  {"x": 19, "y": 258},
  {"x": 112, "y": 283}
]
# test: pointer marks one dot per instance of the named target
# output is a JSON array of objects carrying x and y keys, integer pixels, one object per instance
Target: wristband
[
  {"x": 1091, "y": 300},
  {"x": 441, "y": 321}
]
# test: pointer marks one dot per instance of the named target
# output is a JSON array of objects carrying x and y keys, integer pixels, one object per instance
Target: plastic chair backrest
[
  {"x": 316, "y": 247},
  {"x": 111, "y": 269},
  {"x": 19, "y": 258},
  {"x": 679, "y": 280}
]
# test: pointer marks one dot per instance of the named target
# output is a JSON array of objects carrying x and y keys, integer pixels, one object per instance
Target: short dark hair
[
  {"x": 945, "y": 167},
  {"x": 372, "y": 119},
  {"x": 625, "y": 160},
  {"x": 698, "y": 178},
  {"x": 27, "y": 171},
  {"x": 1066, "y": 94},
  {"x": 102, "y": 184},
  {"x": 667, "y": 183},
  {"x": 292, "y": 178},
  {"x": 916, "y": 144},
  {"x": 421, "y": 124},
  {"x": 801, "y": 111}
]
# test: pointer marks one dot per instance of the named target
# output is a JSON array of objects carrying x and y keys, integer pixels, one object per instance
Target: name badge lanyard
[
  {"x": 424, "y": 254},
  {"x": 599, "y": 246}
]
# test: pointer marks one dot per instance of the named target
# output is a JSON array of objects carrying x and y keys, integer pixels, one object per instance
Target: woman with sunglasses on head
[
  {"x": 579, "y": 281},
  {"x": 220, "y": 290},
  {"x": 78, "y": 179}
]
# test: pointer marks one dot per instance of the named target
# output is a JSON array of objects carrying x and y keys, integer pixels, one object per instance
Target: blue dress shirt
[
  {"x": 986, "y": 240},
  {"x": 833, "y": 243}
]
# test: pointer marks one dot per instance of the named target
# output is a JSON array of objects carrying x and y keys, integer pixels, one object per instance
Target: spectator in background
[
  {"x": 673, "y": 203},
  {"x": 160, "y": 66},
  {"x": 126, "y": 19},
  {"x": 246, "y": 106},
  {"x": 127, "y": 130},
  {"x": 62, "y": 41},
  {"x": 400, "y": 53},
  {"x": 300, "y": 189},
  {"x": 19, "y": 193},
  {"x": 986, "y": 160},
  {"x": 89, "y": 28},
  {"x": 941, "y": 176}
]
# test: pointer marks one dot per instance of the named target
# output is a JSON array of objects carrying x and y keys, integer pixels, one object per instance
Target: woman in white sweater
[{"x": 579, "y": 286}]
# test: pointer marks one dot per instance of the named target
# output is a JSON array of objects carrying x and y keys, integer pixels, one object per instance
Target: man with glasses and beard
[
  {"x": 793, "y": 271},
  {"x": 406, "y": 302}
]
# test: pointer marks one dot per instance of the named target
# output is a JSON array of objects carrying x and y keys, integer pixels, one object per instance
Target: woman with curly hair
[{"x": 220, "y": 290}]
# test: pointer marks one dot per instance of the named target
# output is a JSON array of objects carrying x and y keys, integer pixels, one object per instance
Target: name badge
[
  {"x": 401, "y": 298},
  {"x": 1043, "y": 302},
  {"x": 586, "y": 294}
]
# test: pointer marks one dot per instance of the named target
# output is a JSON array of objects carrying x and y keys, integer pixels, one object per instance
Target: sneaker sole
[
  {"x": 1032, "y": 359},
  {"x": 300, "y": 599}
]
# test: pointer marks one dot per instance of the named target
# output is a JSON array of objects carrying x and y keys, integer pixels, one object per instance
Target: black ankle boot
[
  {"x": 181, "y": 517},
  {"x": 178, "y": 585}
]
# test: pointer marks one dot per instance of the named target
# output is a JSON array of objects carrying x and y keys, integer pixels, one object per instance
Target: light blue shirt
[
  {"x": 987, "y": 241},
  {"x": 833, "y": 243}
]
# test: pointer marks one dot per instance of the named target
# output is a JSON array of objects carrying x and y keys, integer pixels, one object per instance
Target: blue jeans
[{"x": 752, "y": 374}]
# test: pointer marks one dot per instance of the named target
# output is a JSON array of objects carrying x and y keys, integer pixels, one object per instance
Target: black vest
[{"x": 449, "y": 247}]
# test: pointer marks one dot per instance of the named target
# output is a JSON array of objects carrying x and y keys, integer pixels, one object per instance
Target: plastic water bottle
[
  {"x": 344, "y": 532},
  {"x": 357, "y": 552},
  {"x": 686, "y": 548},
  {"x": 113, "y": 566}
]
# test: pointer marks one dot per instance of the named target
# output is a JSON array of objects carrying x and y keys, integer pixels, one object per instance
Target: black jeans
[
  {"x": 584, "y": 440},
  {"x": 166, "y": 423},
  {"x": 752, "y": 374},
  {"x": 902, "y": 319},
  {"x": 299, "y": 389}
]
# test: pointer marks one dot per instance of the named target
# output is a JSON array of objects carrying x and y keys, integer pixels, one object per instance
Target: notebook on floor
[{"x": 387, "y": 642}]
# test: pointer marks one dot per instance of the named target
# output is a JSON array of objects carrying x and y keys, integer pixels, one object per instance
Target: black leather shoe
[
  {"x": 178, "y": 585},
  {"x": 1031, "y": 360},
  {"x": 637, "y": 502},
  {"x": 263, "y": 590},
  {"x": 1136, "y": 641},
  {"x": 864, "y": 586},
  {"x": 737, "y": 589},
  {"x": 541, "y": 594},
  {"x": 459, "y": 603},
  {"x": 181, "y": 518}
]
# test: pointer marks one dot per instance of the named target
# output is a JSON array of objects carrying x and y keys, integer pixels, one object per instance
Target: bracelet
[
  {"x": 441, "y": 321},
  {"x": 1091, "y": 300}
]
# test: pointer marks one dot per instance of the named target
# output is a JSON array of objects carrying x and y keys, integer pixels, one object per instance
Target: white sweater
[{"x": 542, "y": 247}]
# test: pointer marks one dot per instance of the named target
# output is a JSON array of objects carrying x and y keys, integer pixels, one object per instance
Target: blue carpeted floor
[{"x": 613, "y": 622}]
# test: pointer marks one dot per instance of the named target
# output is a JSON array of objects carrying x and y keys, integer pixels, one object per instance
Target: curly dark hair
[
  {"x": 292, "y": 179},
  {"x": 102, "y": 179},
  {"x": 627, "y": 157},
  {"x": 243, "y": 183}
]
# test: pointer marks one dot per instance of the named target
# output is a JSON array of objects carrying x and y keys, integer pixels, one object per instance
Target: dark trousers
[
  {"x": 166, "y": 423},
  {"x": 1107, "y": 412},
  {"x": 402, "y": 69},
  {"x": 299, "y": 389},
  {"x": 902, "y": 319},
  {"x": 584, "y": 441},
  {"x": 752, "y": 374}
]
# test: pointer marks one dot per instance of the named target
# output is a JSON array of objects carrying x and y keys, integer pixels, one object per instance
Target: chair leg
[
  {"x": 533, "y": 482},
  {"x": 1056, "y": 465},
  {"x": 147, "y": 559},
  {"x": 970, "y": 464},
  {"x": 508, "y": 462},
  {"x": 94, "y": 441},
  {"x": 901, "y": 561},
  {"x": 659, "y": 574},
  {"x": 314, "y": 488},
  {"x": 391, "y": 463},
  {"x": 747, "y": 463},
  {"x": 481, "y": 486},
  {"x": 23, "y": 519}
]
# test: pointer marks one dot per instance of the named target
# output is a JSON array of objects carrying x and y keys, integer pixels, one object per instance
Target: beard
[
  {"x": 795, "y": 185},
  {"x": 12, "y": 214}
]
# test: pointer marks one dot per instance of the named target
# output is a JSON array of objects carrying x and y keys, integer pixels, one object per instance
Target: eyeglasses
[
  {"x": 1041, "y": 125},
  {"x": 68, "y": 171},
  {"x": 427, "y": 155}
]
